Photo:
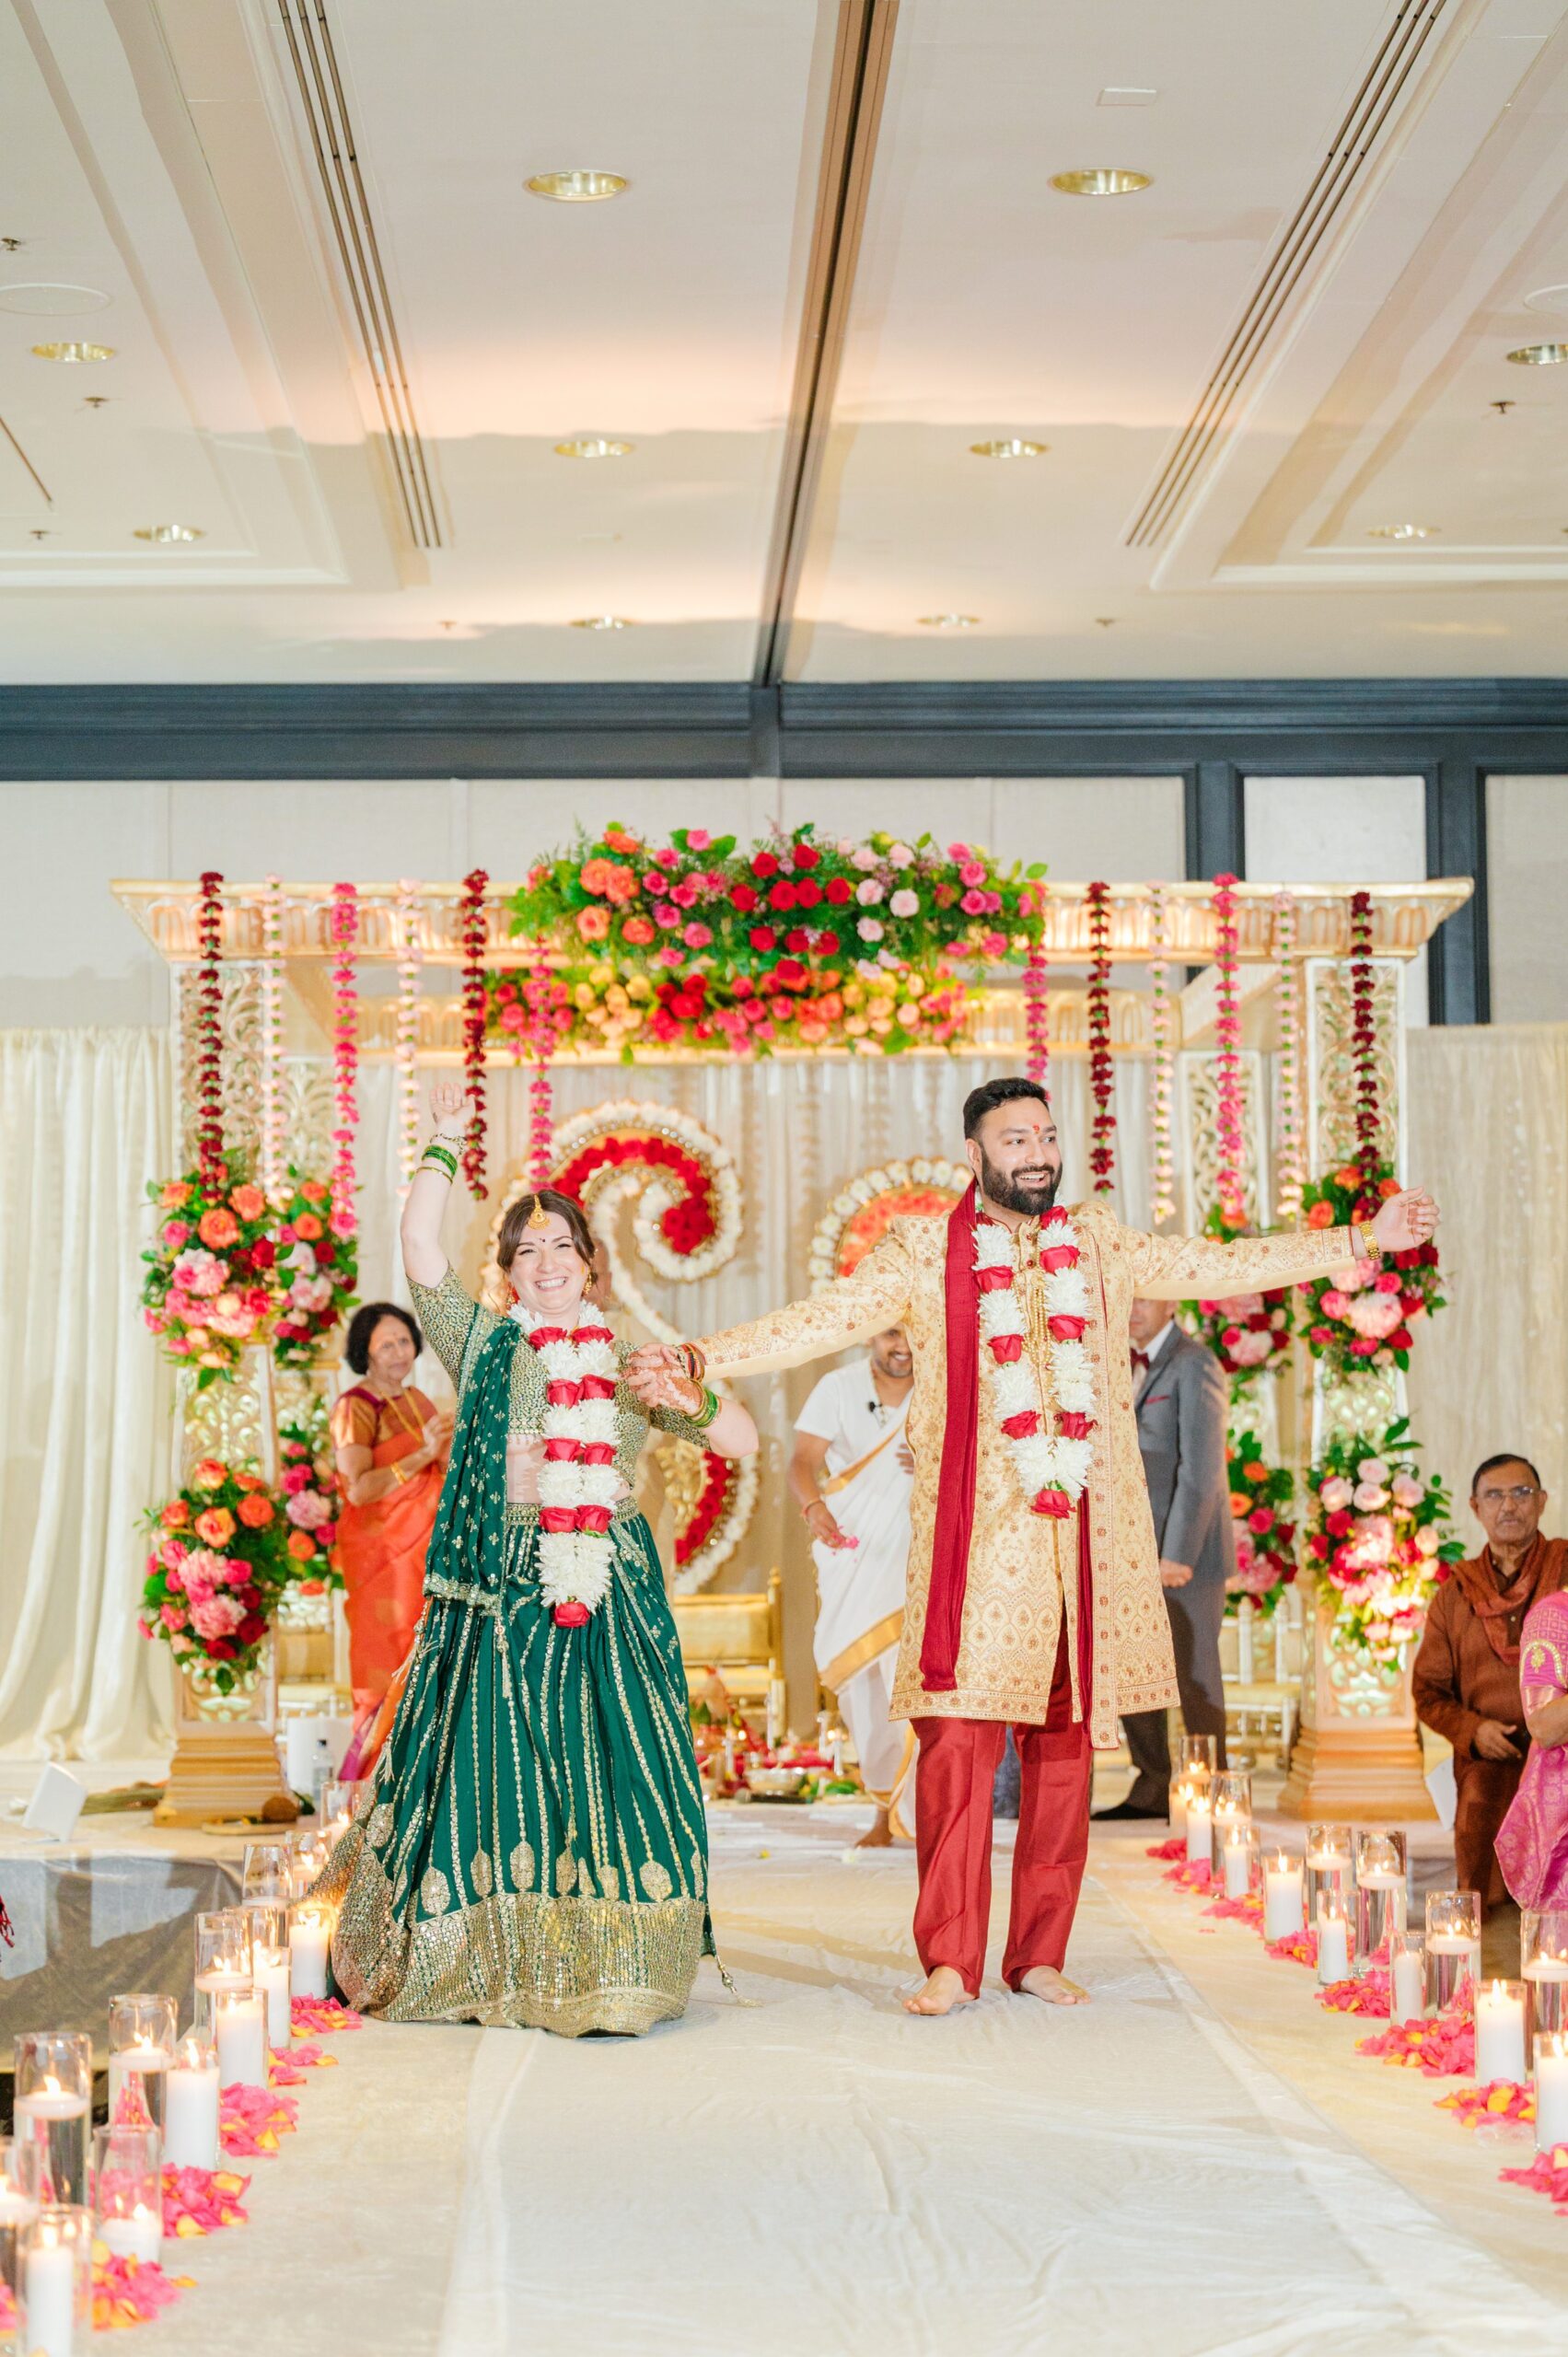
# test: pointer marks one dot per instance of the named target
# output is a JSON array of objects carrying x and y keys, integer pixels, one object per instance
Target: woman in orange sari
[{"x": 391, "y": 1447}]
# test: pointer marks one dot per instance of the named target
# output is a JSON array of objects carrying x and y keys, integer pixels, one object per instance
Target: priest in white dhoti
[{"x": 852, "y": 1474}]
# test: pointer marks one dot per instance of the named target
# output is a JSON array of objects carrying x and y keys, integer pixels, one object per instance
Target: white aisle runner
[{"x": 825, "y": 2175}]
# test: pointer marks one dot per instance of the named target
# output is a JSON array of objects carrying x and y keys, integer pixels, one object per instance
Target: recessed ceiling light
[
  {"x": 594, "y": 445},
  {"x": 1403, "y": 532},
  {"x": 168, "y": 536},
  {"x": 1012, "y": 447},
  {"x": 1548, "y": 298},
  {"x": 577, "y": 188},
  {"x": 1103, "y": 180},
  {"x": 1540, "y": 355},
  {"x": 602, "y": 621},
  {"x": 949, "y": 622},
  {"x": 1126, "y": 94},
  {"x": 72, "y": 351},
  {"x": 38, "y": 298}
]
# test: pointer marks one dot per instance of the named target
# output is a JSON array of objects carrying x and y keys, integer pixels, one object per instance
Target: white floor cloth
[{"x": 822, "y": 2174}]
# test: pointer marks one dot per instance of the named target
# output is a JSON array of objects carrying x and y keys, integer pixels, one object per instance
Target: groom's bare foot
[
  {"x": 879, "y": 1837},
  {"x": 1044, "y": 1980},
  {"x": 943, "y": 1994}
]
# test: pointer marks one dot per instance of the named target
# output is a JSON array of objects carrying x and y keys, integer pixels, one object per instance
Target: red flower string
[
  {"x": 473, "y": 930},
  {"x": 1102, "y": 1154},
  {"x": 209, "y": 1031},
  {"x": 1228, "y": 1180},
  {"x": 1037, "y": 985},
  {"x": 345, "y": 1051},
  {"x": 1364, "y": 1033},
  {"x": 549, "y": 1005}
]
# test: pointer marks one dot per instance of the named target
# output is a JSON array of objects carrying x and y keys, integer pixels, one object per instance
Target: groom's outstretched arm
[{"x": 874, "y": 1297}]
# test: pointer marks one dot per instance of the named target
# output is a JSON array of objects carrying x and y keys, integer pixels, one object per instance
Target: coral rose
[
  {"x": 593, "y": 925},
  {"x": 218, "y": 1228},
  {"x": 638, "y": 931},
  {"x": 256, "y": 1511},
  {"x": 308, "y": 1227},
  {"x": 1321, "y": 1215},
  {"x": 210, "y": 1474},
  {"x": 301, "y": 1546},
  {"x": 176, "y": 1515},
  {"x": 596, "y": 875},
  {"x": 249, "y": 1202},
  {"x": 175, "y": 1193},
  {"x": 215, "y": 1526}
]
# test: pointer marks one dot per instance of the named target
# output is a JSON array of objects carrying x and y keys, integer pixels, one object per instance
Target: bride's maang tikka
[{"x": 539, "y": 1216}]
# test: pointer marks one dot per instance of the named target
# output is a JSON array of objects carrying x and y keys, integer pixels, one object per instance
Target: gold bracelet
[
  {"x": 1369, "y": 1243},
  {"x": 396, "y": 1470}
]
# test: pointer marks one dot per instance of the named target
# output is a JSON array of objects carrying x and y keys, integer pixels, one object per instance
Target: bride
[{"x": 533, "y": 1849}]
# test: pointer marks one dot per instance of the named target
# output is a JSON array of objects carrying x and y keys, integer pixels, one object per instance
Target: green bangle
[
  {"x": 438, "y": 1156},
  {"x": 704, "y": 1416}
]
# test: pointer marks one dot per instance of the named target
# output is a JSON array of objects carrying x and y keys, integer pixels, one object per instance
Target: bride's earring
[{"x": 512, "y": 1292}]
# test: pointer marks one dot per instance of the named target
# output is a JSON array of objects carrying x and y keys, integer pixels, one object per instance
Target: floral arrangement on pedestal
[
  {"x": 1379, "y": 1536},
  {"x": 308, "y": 1477},
  {"x": 1249, "y": 1333},
  {"x": 698, "y": 943},
  {"x": 218, "y": 1565},
  {"x": 209, "y": 1287},
  {"x": 316, "y": 1269},
  {"x": 1260, "y": 1496},
  {"x": 1365, "y": 1315}
]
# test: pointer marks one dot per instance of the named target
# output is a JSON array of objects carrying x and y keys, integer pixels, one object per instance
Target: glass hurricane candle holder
[
  {"x": 1407, "y": 1975},
  {"x": 1500, "y": 2048},
  {"x": 1543, "y": 1965},
  {"x": 310, "y": 1941},
  {"x": 1230, "y": 1802},
  {"x": 1329, "y": 1865},
  {"x": 57, "y": 2281},
  {"x": 311, "y": 1853},
  {"x": 141, "y": 2047},
  {"x": 1239, "y": 1857},
  {"x": 1196, "y": 1757},
  {"x": 1379, "y": 1894},
  {"x": 128, "y": 2191},
  {"x": 191, "y": 2122},
  {"x": 1284, "y": 1913},
  {"x": 239, "y": 2033},
  {"x": 223, "y": 1957},
  {"x": 54, "y": 2112},
  {"x": 339, "y": 1796},
  {"x": 18, "y": 2208},
  {"x": 1551, "y": 2089},
  {"x": 1453, "y": 1947},
  {"x": 268, "y": 1871},
  {"x": 1181, "y": 1792},
  {"x": 270, "y": 1967},
  {"x": 1333, "y": 1937},
  {"x": 1200, "y": 1826}
]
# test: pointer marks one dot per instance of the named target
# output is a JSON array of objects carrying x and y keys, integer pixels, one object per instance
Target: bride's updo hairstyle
[{"x": 515, "y": 1221}]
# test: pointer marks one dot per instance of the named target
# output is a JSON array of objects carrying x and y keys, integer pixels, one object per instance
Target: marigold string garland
[
  {"x": 1102, "y": 1153},
  {"x": 273, "y": 1176},
  {"x": 1291, "y": 1172},
  {"x": 410, "y": 955},
  {"x": 474, "y": 933},
  {"x": 345, "y": 1050},
  {"x": 1164, "y": 1174},
  {"x": 1363, "y": 1035},
  {"x": 209, "y": 1030},
  {"x": 1229, "y": 1182}
]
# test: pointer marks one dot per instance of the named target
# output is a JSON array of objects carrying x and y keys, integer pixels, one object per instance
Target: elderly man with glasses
[{"x": 1466, "y": 1672}]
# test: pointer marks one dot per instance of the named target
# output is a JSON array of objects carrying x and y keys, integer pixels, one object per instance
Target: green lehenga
[{"x": 533, "y": 1849}]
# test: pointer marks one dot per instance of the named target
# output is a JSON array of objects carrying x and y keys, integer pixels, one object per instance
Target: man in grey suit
[{"x": 1181, "y": 1399}]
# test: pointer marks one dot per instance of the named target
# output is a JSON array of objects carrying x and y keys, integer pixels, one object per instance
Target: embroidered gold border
[{"x": 865, "y": 1649}]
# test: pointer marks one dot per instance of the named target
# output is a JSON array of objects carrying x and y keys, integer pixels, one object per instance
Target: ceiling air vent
[
  {"x": 1351, "y": 150},
  {"x": 314, "y": 59}
]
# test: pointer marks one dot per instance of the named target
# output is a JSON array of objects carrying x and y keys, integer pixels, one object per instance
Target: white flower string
[
  {"x": 273, "y": 1172},
  {"x": 578, "y": 1485},
  {"x": 1291, "y": 1172},
  {"x": 1164, "y": 1198},
  {"x": 1053, "y": 1466},
  {"x": 405, "y": 1050}
]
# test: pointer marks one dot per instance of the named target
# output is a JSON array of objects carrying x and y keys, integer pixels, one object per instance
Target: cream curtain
[
  {"x": 86, "y": 1120},
  {"x": 1488, "y": 1134}
]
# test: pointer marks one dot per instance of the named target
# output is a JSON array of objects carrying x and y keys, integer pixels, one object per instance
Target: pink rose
[
  {"x": 697, "y": 839},
  {"x": 996, "y": 945},
  {"x": 666, "y": 916},
  {"x": 199, "y": 1274},
  {"x": 174, "y": 1234},
  {"x": 216, "y": 1616},
  {"x": 864, "y": 858},
  {"x": 306, "y": 1509},
  {"x": 869, "y": 929},
  {"x": 905, "y": 903},
  {"x": 669, "y": 956},
  {"x": 901, "y": 856},
  {"x": 696, "y": 936},
  {"x": 1388, "y": 1281},
  {"x": 1335, "y": 1494},
  {"x": 666, "y": 857},
  {"x": 1334, "y": 1304},
  {"x": 868, "y": 892},
  {"x": 172, "y": 1616},
  {"x": 1375, "y": 1314},
  {"x": 684, "y": 894},
  {"x": 1407, "y": 1493},
  {"x": 973, "y": 904},
  {"x": 971, "y": 873},
  {"x": 342, "y": 1222},
  {"x": 1249, "y": 1349}
]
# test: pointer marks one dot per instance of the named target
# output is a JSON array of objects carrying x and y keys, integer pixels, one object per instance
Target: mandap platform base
[
  {"x": 225, "y": 1772},
  {"x": 1357, "y": 1775}
]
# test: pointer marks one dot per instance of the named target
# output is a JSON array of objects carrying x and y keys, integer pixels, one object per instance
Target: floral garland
[
  {"x": 1363, "y": 1030},
  {"x": 1052, "y": 1467},
  {"x": 1102, "y": 1153},
  {"x": 548, "y": 1005},
  {"x": 858, "y": 1216},
  {"x": 609, "y": 1006},
  {"x": 1260, "y": 1495},
  {"x": 689, "y": 1219},
  {"x": 316, "y": 1267},
  {"x": 208, "y": 1031},
  {"x": 269, "y": 1119},
  {"x": 473, "y": 933},
  {"x": 1365, "y": 1315},
  {"x": 1229, "y": 1182},
  {"x": 578, "y": 1483},
  {"x": 309, "y": 1482},
  {"x": 209, "y": 1289},
  {"x": 1037, "y": 992},
  {"x": 1249, "y": 1333},
  {"x": 345, "y": 1044},
  {"x": 1164, "y": 1093},
  {"x": 405, "y": 1045},
  {"x": 1292, "y": 1167},
  {"x": 216, "y": 1571},
  {"x": 1377, "y": 1536}
]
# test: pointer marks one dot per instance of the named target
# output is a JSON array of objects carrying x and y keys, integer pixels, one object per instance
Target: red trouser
[{"x": 954, "y": 1776}]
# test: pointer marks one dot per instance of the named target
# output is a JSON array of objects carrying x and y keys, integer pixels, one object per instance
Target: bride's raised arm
[{"x": 426, "y": 1205}]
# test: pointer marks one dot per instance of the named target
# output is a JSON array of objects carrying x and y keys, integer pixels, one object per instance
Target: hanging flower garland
[
  {"x": 548, "y": 1005},
  {"x": 1260, "y": 1495},
  {"x": 346, "y": 1047},
  {"x": 473, "y": 932},
  {"x": 1378, "y": 1537},
  {"x": 405, "y": 1045},
  {"x": 1164, "y": 1174},
  {"x": 1102, "y": 1153},
  {"x": 1037, "y": 990},
  {"x": 1229, "y": 1182},
  {"x": 269, "y": 1124},
  {"x": 1291, "y": 1170},
  {"x": 1363, "y": 1030},
  {"x": 209, "y": 1031}
]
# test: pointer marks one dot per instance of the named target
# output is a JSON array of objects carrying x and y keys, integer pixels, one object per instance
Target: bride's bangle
[{"x": 439, "y": 1157}]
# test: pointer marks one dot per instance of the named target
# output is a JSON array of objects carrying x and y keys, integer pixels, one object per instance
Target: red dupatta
[{"x": 955, "y": 1496}]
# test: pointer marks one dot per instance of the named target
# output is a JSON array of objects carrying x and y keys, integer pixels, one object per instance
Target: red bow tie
[{"x": 1140, "y": 1358}]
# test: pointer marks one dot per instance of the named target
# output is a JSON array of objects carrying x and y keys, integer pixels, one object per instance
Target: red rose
[
  {"x": 596, "y": 1386},
  {"x": 839, "y": 891},
  {"x": 763, "y": 936},
  {"x": 826, "y": 945},
  {"x": 806, "y": 855},
  {"x": 1022, "y": 1425},
  {"x": 1073, "y": 1424},
  {"x": 571, "y": 1616},
  {"x": 561, "y": 1393},
  {"x": 992, "y": 1279},
  {"x": 1066, "y": 1329},
  {"x": 1059, "y": 1256},
  {"x": 1055, "y": 1503},
  {"x": 742, "y": 898},
  {"x": 557, "y": 1520},
  {"x": 799, "y": 941},
  {"x": 807, "y": 895},
  {"x": 790, "y": 974},
  {"x": 781, "y": 894},
  {"x": 263, "y": 1252},
  {"x": 1340, "y": 1524},
  {"x": 764, "y": 864},
  {"x": 1400, "y": 1338},
  {"x": 1319, "y": 1547},
  {"x": 598, "y": 1452},
  {"x": 1007, "y": 1348},
  {"x": 595, "y": 1519},
  {"x": 560, "y": 1451}
]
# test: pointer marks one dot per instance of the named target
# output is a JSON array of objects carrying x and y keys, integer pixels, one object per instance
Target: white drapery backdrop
[{"x": 87, "y": 1118}]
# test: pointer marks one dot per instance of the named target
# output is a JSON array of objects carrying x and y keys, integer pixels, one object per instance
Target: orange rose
[
  {"x": 255, "y": 1511},
  {"x": 301, "y": 1546},
  {"x": 638, "y": 931},
  {"x": 174, "y": 1194},
  {"x": 249, "y": 1482},
  {"x": 218, "y": 1229},
  {"x": 308, "y": 1227},
  {"x": 1239, "y": 1504},
  {"x": 619, "y": 839},
  {"x": 1386, "y": 1186},
  {"x": 313, "y": 1191},
  {"x": 210, "y": 1474},
  {"x": 1321, "y": 1215},
  {"x": 249, "y": 1202},
  {"x": 1349, "y": 1177},
  {"x": 593, "y": 925},
  {"x": 622, "y": 885},
  {"x": 176, "y": 1515},
  {"x": 1256, "y": 1473},
  {"x": 215, "y": 1526},
  {"x": 596, "y": 875}
]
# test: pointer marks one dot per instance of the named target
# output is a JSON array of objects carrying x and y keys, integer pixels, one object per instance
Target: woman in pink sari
[{"x": 1532, "y": 1844}]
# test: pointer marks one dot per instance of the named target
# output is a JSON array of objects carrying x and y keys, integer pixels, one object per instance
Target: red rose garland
[
  {"x": 345, "y": 1049},
  {"x": 1102, "y": 1154},
  {"x": 1229, "y": 1184},
  {"x": 473, "y": 932},
  {"x": 1364, "y": 1034},
  {"x": 209, "y": 1031}
]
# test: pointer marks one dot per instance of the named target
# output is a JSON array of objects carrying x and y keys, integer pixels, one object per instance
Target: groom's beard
[{"x": 1032, "y": 1196}]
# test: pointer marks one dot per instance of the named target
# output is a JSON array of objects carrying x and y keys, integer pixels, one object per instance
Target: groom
[{"x": 1034, "y": 1595}]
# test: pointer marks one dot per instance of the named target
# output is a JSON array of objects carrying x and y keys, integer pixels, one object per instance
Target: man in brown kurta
[{"x": 1466, "y": 1672}]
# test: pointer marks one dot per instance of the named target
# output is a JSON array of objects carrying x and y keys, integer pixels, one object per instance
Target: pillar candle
[
  {"x": 1499, "y": 2032},
  {"x": 239, "y": 2027},
  {"x": 1409, "y": 1985},
  {"x": 1237, "y": 1869},
  {"x": 1282, "y": 1913},
  {"x": 138, "y": 2236},
  {"x": 1333, "y": 1948},
  {"x": 1200, "y": 1829},
  {"x": 308, "y": 1942},
  {"x": 191, "y": 2117},
  {"x": 273, "y": 1973},
  {"x": 1552, "y": 2093},
  {"x": 49, "y": 2297}
]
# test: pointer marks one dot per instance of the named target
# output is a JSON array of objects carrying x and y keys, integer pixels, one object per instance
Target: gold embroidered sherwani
[{"x": 1023, "y": 1566}]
